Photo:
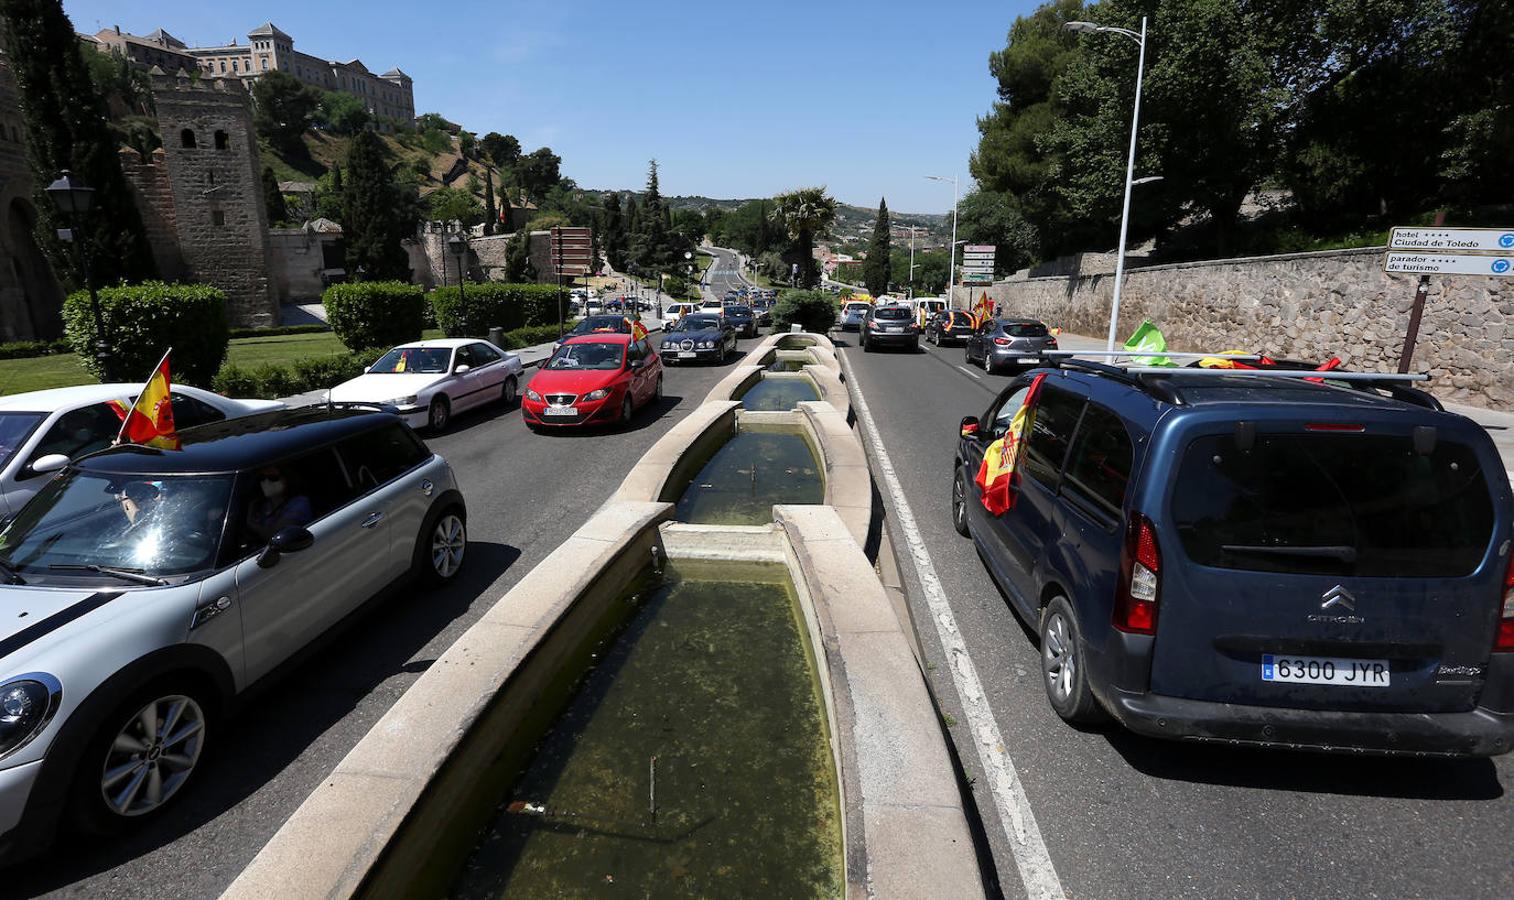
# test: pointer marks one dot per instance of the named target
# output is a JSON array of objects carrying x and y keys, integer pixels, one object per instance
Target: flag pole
[{"x": 130, "y": 409}]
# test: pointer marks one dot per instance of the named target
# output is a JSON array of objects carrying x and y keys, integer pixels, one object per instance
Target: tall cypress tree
[
  {"x": 875, "y": 269},
  {"x": 490, "y": 215},
  {"x": 273, "y": 198},
  {"x": 66, "y": 129},
  {"x": 374, "y": 214},
  {"x": 615, "y": 235}
]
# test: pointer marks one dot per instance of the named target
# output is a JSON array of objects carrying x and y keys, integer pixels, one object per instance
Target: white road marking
[
  {"x": 970, "y": 373},
  {"x": 1010, "y": 799}
]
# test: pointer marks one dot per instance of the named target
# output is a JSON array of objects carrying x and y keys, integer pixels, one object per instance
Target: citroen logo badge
[{"x": 1338, "y": 596}]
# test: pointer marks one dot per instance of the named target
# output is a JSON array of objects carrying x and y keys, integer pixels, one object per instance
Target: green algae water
[
  {"x": 779, "y": 393},
  {"x": 794, "y": 342},
  {"x": 787, "y": 365},
  {"x": 693, "y": 761},
  {"x": 755, "y": 469}
]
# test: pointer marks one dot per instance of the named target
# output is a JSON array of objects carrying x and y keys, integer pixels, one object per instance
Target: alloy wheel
[
  {"x": 439, "y": 414},
  {"x": 509, "y": 392},
  {"x": 959, "y": 505},
  {"x": 1058, "y": 659},
  {"x": 153, "y": 755},
  {"x": 449, "y": 541}
]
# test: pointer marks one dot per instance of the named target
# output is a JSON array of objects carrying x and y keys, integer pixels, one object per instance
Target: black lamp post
[
  {"x": 459, "y": 247},
  {"x": 73, "y": 198}
]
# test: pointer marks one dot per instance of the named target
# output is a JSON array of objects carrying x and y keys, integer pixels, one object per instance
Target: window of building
[
  {"x": 223, "y": 140},
  {"x": 223, "y": 67},
  {"x": 234, "y": 65},
  {"x": 217, "y": 217},
  {"x": 187, "y": 138}
]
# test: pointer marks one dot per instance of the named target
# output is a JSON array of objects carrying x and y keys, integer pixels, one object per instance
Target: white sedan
[
  {"x": 42, "y": 431},
  {"x": 429, "y": 381}
]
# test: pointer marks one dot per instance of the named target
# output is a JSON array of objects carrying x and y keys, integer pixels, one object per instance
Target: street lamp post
[
  {"x": 1135, "y": 120},
  {"x": 459, "y": 247},
  {"x": 73, "y": 198},
  {"x": 951, "y": 267},
  {"x": 911, "y": 291}
]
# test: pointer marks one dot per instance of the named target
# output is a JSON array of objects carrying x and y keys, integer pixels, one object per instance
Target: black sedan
[
  {"x": 949, "y": 327},
  {"x": 698, "y": 336},
  {"x": 616, "y": 324},
  {"x": 1008, "y": 345},
  {"x": 743, "y": 319}
]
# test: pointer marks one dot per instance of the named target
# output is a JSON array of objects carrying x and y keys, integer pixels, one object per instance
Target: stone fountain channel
[{"x": 704, "y": 691}]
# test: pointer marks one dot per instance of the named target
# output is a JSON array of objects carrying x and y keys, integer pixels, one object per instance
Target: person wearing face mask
[{"x": 277, "y": 507}]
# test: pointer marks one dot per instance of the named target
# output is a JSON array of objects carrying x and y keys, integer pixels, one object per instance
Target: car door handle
[{"x": 373, "y": 519}]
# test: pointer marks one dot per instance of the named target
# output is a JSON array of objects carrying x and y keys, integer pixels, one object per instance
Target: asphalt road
[
  {"x": 1125, "y": 816},
  {"x": 526, "y": 493}
]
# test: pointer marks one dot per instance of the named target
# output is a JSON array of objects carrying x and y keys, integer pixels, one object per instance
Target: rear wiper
[
  {"x": 1343, "y": 553},
  {"x": 125, "y": 574},
  {"x": 10, "y": 573}
]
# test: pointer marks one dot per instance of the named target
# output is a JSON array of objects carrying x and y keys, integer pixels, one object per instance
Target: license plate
[
  {"x": 686, "y": 354},
  {"x": 894, "y": 330},
  {"x": 1029, "y": 360},
  {"x": 560, "y": 411},
  {"x": 1325, "y": 670}
]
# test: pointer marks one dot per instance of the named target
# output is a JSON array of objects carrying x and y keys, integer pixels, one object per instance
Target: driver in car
[{"x": 279, "y": 507}]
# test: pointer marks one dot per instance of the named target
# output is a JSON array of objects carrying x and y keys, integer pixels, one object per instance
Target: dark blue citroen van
[{"x": 1252, "y": 559}]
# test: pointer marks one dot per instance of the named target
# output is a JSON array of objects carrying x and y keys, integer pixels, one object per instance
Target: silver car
[{"x": 144, "y": 590}]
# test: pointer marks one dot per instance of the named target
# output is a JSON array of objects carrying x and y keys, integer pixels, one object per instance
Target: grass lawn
[{"x": 63, "y": 369}]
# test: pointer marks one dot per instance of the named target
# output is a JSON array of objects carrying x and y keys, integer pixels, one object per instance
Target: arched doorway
[{"x": 38, "y": 310}]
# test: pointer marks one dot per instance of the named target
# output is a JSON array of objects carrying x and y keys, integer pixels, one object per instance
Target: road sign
[
  {"x": 979, "y": 248},
  {"x": 1449, "y": 264},
  {"x": 572, "y": 251},
  {"x": 1452, "y": 240},
  {"x": 977, "y": 278}
]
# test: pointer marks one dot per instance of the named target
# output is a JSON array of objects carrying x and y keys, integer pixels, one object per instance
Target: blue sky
[{"x": 733, "y": 99}]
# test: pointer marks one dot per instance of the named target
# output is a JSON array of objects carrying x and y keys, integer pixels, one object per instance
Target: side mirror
[
  {"x": 367, "y": 369},
  {"x": 52, "y": 462},
  {"x": 638, "y": 363},
  {"x": 288, "y": 540},
  {"x": 461, "y": 368},
  {"x": 969, "y": 428}
]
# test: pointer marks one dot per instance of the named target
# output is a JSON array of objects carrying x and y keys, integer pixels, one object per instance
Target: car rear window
[
  {"x": 892, "y": 313},
  {"x": 1345, "y": 504},
  {"x": 961, "y": 318},
  {"x": 1025, "y": 329}
]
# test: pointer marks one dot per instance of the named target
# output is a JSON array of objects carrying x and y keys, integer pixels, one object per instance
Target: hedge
[
  {"x": 276, "y": 331},
  {"x": 270, "y": 382},
  {"x": 29, "y": 349},
  {"x": 367, "y": 314},
  {"x": 143, "y": 320},
  {"x": 815, "y": 311},
  {"x": 491, "y": 305}
]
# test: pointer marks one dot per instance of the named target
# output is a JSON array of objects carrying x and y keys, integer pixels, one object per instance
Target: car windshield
[
  {"x": 601, "y": 323},
  {"x": 156, "y": 525},
  {"x": 14, "y": 429},
  {"x": 892, "y": 313},
  {"x": 1025, "y": 329},
  {"x": 409, "y": 360},
  {"x": 1355, "y": 504},
  {"x": 695, "y": 323},
  {"x": 587, "y": 355}
]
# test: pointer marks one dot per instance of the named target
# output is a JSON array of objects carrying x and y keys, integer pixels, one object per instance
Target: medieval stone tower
[{"x": 214, "y": 179}]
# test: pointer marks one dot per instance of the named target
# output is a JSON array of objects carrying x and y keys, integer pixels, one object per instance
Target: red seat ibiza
[{"x": 594, "y": 378}]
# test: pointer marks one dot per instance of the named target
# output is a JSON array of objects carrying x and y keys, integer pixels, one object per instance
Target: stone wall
[
  {"x": 214, "y": 175},
  {"x": 299, "y": 262},
  {"x": 31, "y": 301},
  {"x": 149, "y": 182},
  {"x": 1301, "y": 305}
]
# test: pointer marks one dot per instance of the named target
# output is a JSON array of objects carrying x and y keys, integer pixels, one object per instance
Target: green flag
[{"x": 1149, "y": 338}]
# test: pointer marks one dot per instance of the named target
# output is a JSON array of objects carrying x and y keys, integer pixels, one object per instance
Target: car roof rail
[{"x": 1161, "y": 391}]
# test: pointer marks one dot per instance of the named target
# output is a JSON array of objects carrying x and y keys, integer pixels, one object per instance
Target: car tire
[
  {"x": 509, "y": 392},
  {"x": 438, "y": 415},
  {"x": 627, "y": 410},
  {"x": 441, "y": 546},
  {"x": 657, "y": 391},
  {"x": 1064, "y": 672},
  {"x": 113, "y": 784},
  {"x": 959, "y": 503}
]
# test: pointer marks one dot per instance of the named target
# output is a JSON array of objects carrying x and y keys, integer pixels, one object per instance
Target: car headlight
[
  {"x": 706, "y": 344},
  {"x": 597, "y": 395},
  {"x": 26, "y": 706},
  {"x": 532, "y": 395},
  {"x": 408, "y": 400}
]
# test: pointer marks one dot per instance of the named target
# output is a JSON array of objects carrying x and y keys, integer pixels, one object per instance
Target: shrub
[
  {"x": 368, "y": 314},
  {"x": 492, "y": 305},
  {"x": 143, "y": 320},
  {"x": 270, "y": 382},
  {"x": 814, "y": 311},
  {"x": 29, "y": 349},
  {"x": 529, "y": 336},
  {"x": 277, "y": 330}
]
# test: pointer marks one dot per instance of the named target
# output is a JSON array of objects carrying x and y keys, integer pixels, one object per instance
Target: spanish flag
[
  {"x": 997, "y": 471},
  {"x": 638, "y": 330},
  {"x": 150, "y": 420}
]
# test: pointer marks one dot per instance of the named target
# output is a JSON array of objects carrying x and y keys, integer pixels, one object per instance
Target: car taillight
[
  {"x": 1504, "y": 642},
  {"x": 1002, "y": 342},
  {"x": 1135, "y": 607},
  {"x": 1051, "y": 343}
]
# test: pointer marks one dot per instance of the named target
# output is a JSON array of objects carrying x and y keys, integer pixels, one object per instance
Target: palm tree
[{"x": 805, "y": 214}]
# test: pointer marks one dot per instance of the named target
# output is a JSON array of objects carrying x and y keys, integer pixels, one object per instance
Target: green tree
[
  {"x": 273, "y": 199},
  {"x": 329, "y": 195},
  {"x": 66, "y": 128},
  {"x": 689, "y": 224},
  {"x": 547, "y": 221},
  {"x": 538, "y": 172},
  {"x": 448, "y": 204},
  {"x": 650, "y": 247},
  {"x": 491, "y": 215},
  {"x": 376, "y": 214},
  {"x": 467, "y": 144},
  {"x": 991, "y": 217},
  {"x": 614, "y": 228},
  {"x": 876, "y": 269},
  {"x": 518, "y": 266},
  {"x": 343, "y": 113},
  {"x": 503, "y": 149},
  {"x": 805, "y": 215},
  {"x": 284, "y": 108}
]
